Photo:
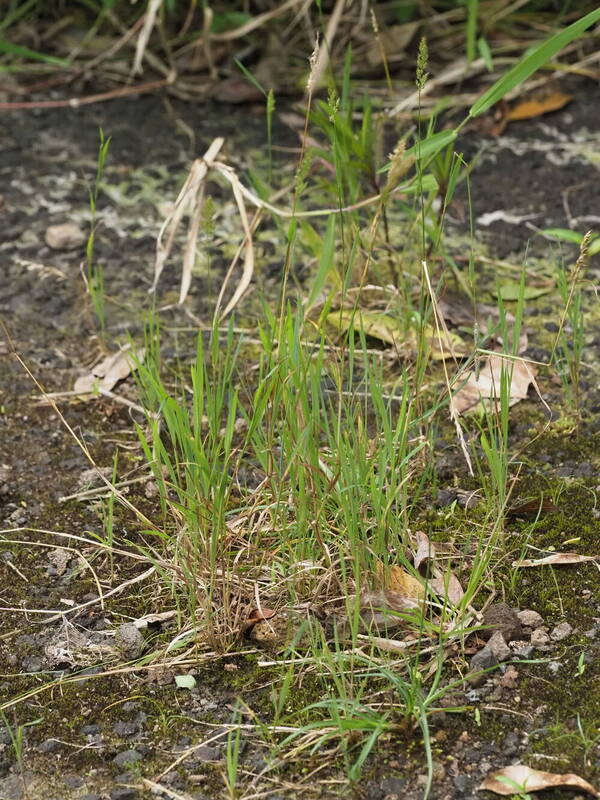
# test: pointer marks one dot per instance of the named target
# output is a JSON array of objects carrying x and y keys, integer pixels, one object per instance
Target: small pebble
[
  {"x": 499, "y": 647},
  {"x": 501, "y": 617},
  {"x": 64, "y": 237},
  {"x": 540, "y": 638},
  {"x": 127, "y": 757},
  {"x": 530, "y": 618},
  {"x": 129, "y": 641},
  {"x": 561, "y": 632}
]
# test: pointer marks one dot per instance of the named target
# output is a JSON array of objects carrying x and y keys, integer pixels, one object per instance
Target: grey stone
[
  {"x": 12, "y": 787},
  {"x": 127, "y": 757},
  {"x": 530, "y": 618},
  {"x": 90, "y": 730},
  {"x": 125, "y": 729},
  {"x": 463, "y": 784},
  {"x": 73, "y": 781},
  {"x": 482, "y": 660},
  {"x": 445, "y": 497},
  {"x": 499, "y": 648},
  {"x": 175, "y": 781},
  {"x": 501, "y": 617},
  {"x": 32, "y": 664},
  {"x": 49, "y": 746},
  {"x": 561, "y": 632},
  {"x": 510, "y": 745},
  {"x": 206, "y": 753},
  {"x": 524, "y": 652},
  {"x": 540, "y": 638},
  {"x": 124, "y": 793},
  {"x": 393, "y": 786},
  {"x": 129, "y": 641},
  {"x": 584, "y": 470}
]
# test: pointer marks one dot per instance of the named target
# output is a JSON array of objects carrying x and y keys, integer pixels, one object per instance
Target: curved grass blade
[{"x": 532, "y": 62}]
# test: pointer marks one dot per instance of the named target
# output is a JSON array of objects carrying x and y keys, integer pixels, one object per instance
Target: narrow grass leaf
[
  {"x": 564, "y": 235},
  {"x": 532, "y": 62},
  {"x": 24, "y": 52},
  {"x": 432, "y": 145},
  {"x": 325, "y": 263}
]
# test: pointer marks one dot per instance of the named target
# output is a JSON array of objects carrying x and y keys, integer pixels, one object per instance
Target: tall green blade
[{"x": 532, "y": 62}]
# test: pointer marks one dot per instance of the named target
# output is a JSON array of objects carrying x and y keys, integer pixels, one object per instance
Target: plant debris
[
  {"x": 108, "y": 372},
  {"x": 520, "y": 779}
]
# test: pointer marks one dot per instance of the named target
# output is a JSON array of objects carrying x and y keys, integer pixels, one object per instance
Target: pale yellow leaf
[
  {"x": 112, "y": 369},
  {"x": 484, "y": 386},
  {"x": 556, "y": 558},
  {"x": 392, "y": 330},
  {"x": 520, "y": 778},
  {"x": 402, "y": 583}
]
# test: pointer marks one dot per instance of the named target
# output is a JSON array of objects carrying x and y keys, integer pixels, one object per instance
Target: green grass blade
[
  {"x": 532, "y": 62},
  {"x": 24, "y": 52},
  {"x": 326, "y": 262},
  {"x": 432, "y": 145},
  {"x": 472, "y": 9}
]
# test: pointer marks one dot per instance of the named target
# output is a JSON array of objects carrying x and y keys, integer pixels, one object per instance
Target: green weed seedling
[
  {"x": 232, "y": 756},
  {"x": 568, "y": 347},
  {"x": 16, "y": 734},
  {"x": 95, "y": 272}
]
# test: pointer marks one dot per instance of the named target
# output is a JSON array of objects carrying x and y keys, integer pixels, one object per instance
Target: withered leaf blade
[
  {"x": 484, "y": 387},
  {"x": 520, "y": 778},
  {"x": 261, "y": 613},
  {"x": 256, "y": 615},
  {"x": 447, "y": 585},
  {"x": 556, "y": 558},
  {"x": 385, "y": 609},
  {"x": 535, "y": 506},
  {"x": 112, "y": 369},
  {"x": 535, "y": 107},
  {"x": 425, "y": 550},
  {"x": 400, "y": 582},
  {"x": 393, "y": 331}
]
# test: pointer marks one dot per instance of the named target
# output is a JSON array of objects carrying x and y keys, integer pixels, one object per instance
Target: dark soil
[{"x": 99, "y": 737}]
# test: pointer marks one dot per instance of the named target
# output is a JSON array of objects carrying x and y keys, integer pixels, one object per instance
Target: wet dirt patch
[{"x": 539, "y": 174}]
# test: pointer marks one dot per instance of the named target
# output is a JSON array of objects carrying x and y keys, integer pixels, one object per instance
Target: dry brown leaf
[
  {"x": 392, "y": 330},
  {"x": 425, "y": 551},
  {"x": 536, "y": 506},
  {"x": 114, "y": 368},
  {"x": 443, "y": 583},
  {"x": 386, "y": 609},
  {"x": 405, "y": 584},
  {"x": 388, "y": 599},
  {"x": 261, "y": 613},
  {"x": 458, "y": 309},
  {"x": 535, "y": 107},
  {"x": 555, "y": 558},
  {"x": 485, "y": 386},
  {"x": 520, "y": 778},
  {"x": 256, "y": 615},
  {"x": 400, "y": 582},
  {"x": 447, "y": 585}
]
